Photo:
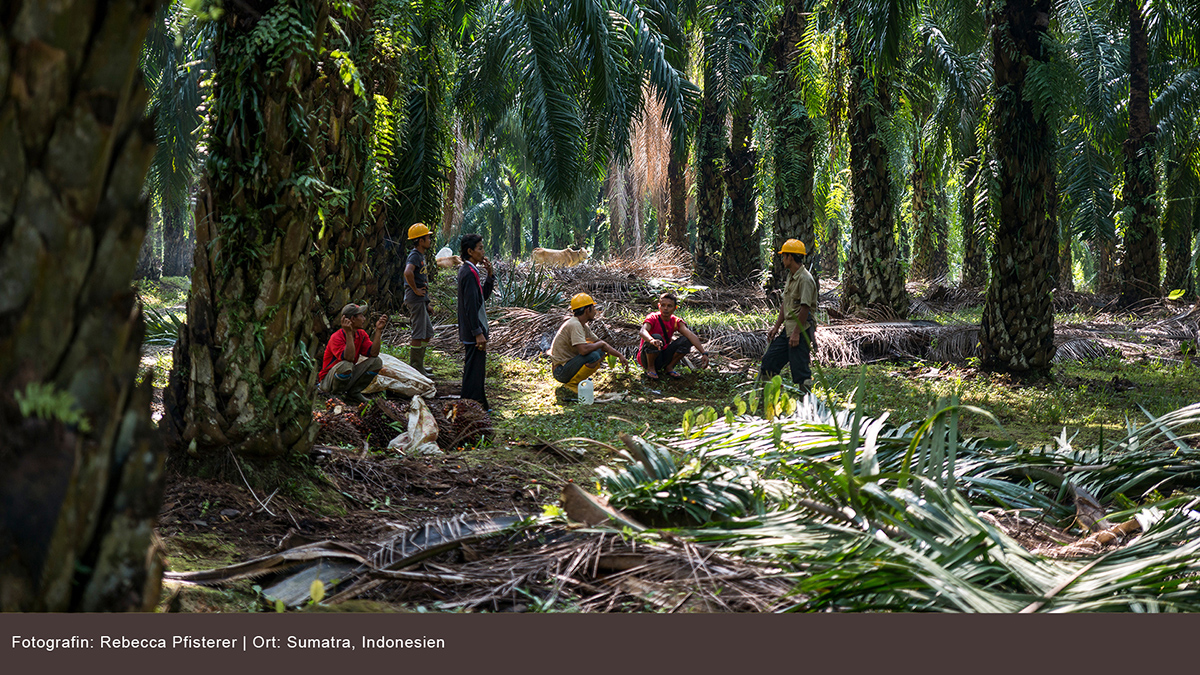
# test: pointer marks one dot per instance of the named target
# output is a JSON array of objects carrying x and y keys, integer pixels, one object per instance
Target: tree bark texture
[
  {"x": 535, "y": 218},
  {"x": 794, "y": 138},
  {"x": 353, "y": 226},
  {"x": 974, "y": 226},
  {"x": 740, "y": 258},
  {"x": 929, "y": 240},
  {"x": 178, "y": 244},
  {"x": 1052, "y": 224},
  {"x": 677, "y": 187},
  {"x": 1017, "y": 329},
  {"x": 711, "y": 190},
  {"x": 1140, "y": 265},
  {"x": 245, "y": 367},
  {"x": 873, "y": 278},
  {"x": 1103, "y": 251},
  {"x": 1066, "y": 261},
  {"x": 81, "y": 480},
  {"x": 150, "y": 258},
  {"x": 1178, "y": 225},
  {"x": 830, "y": 248}
]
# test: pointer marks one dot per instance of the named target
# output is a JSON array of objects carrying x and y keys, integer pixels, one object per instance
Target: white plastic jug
[{"x": 586, "y": 394}]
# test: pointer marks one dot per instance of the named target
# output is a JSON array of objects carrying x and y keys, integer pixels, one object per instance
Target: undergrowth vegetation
[{"x": 868, "y": 515}]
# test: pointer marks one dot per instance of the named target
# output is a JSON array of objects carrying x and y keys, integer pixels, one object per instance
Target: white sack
[
  {"x": 421, "y": 436},
  {"x": 401, "y": 378}
]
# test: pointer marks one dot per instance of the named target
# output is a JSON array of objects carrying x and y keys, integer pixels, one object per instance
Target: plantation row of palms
[{"x": 310, "y": 134}]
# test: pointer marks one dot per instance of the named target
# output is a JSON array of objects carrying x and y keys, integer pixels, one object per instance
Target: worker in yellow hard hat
[
  {"x": 796, "y": 316},
  {"x": 576, "y": 352},
  {"x": 416, "y": 294}
]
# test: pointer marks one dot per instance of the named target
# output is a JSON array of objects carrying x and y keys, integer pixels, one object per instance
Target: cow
[
  {"x": 566, "y": 257},
  {"x": 447, "y": 259}
]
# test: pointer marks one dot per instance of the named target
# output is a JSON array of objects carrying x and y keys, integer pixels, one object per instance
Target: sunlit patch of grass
[
  {"x": 1080, "y": 397},
  {"x": 165, "y": 292},
  {"x": 526, "y": 410}
]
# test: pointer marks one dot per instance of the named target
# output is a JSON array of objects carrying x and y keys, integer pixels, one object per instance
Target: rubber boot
[
  {"x": 416, "y": 359},
  {"x": 584, "y": 373}
]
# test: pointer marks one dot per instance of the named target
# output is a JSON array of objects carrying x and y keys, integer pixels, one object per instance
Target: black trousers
[
  {"x": 780, "y": 352},
  {"x": 662, "y": 358},
  {"x": 474, "y": 370}
]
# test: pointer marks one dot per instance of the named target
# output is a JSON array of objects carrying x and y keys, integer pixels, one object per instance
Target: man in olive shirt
[
  {"x": 416, "y": 294},
  {"x": 793, "y": 346},
  {"x": 576, "y": 351}
]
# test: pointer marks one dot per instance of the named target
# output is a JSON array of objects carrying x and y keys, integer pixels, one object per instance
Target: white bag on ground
[
  {"x": 401, "y": 378},
  {"x": 421, "y": 436}
]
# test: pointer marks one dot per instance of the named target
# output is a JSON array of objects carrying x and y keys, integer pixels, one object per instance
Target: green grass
[
  {"x": 525, "y": 410},
  {"x": 165, "y": 292},
  {"x": 1076, "y": 396}
]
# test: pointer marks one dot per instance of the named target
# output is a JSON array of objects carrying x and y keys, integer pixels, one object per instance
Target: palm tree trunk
[
  {"x": 81, "y": 484},
  {"x": 245, "y": 367},
  {"x": 677, "y": 186},
  {"x": 974, "y": 226},
  {"x": 1140, "y": 266},
  {"x": 830, "y": 249},
  {"x": 150, "y": 258},
  {"x": 178, "y": 244},
  {"x": 1056, "y": 271},
  {"x": 1066, "y": 262},
  {"x": 1106, "y": 270},
  {"x": 873, "y": 278},
  {"x": 1017, "y": 329},
  {"x": 1177, "y": 233},
  {"x": 711, "y": 190},
  {"x": 741, "y": 259},
  {"x": 924, "y": 241},
  {"x": 535, "y": 215},
  {"x": 793, "y": 149},
  {"x": 514, "y": 233},
  {"x": 348, "y": 267}
]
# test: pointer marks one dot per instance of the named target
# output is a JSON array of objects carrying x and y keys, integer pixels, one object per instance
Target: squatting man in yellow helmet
[
  {"x": 794, "y": 345},
  {"x": 576, "y": 352},
  {"x": 416, "y": 298}
]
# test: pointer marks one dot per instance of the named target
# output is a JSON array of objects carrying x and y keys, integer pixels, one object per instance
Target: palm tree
[
  {"x": 741, "y": 258},
  {"x": 174, "y": 59},
  {"x": 730, "y": 55},
  {"x": 943, "y": 92},
  {"x": 795, "y": 133},
  {"x": 245, "y": 366},
  {"x": 80, "y": 467},
  {"x": 1017, "y": 329},
  {"x": 1140, "y": 266},
  {"x": 873, "y": 278}
]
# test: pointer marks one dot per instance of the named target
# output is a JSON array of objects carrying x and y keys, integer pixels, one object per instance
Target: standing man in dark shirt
[
  {"x": 472, "y": 318},
  {"x": 416, "y": 295}
]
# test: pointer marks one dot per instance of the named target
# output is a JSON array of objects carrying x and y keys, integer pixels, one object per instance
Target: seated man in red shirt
[
  {"x": 341, "y": 373},
  {"x": 658, "y": 351}
]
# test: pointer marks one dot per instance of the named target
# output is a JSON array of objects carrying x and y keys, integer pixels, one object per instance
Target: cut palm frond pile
[
  {"x": 373, "y": 425},
  {"x": 527, "y": 334}
]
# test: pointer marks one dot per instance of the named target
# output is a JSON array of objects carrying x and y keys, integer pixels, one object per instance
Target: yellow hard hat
[
  {"x": 581, "y": 300},
  {"x": 793, "y": 246},
  {"x": 417, "y": 231}
]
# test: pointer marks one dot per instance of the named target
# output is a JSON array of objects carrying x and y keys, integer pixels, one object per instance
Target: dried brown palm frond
[
  {"x": 745, "y": 297},
  {"x": 1043, "y": 539},
  {"x": 594, "y": 571},
  {"x": 1075, "y": 301}
]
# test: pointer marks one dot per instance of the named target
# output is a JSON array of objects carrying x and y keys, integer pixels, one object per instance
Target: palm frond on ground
[{"x": 879, "y": 517}]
